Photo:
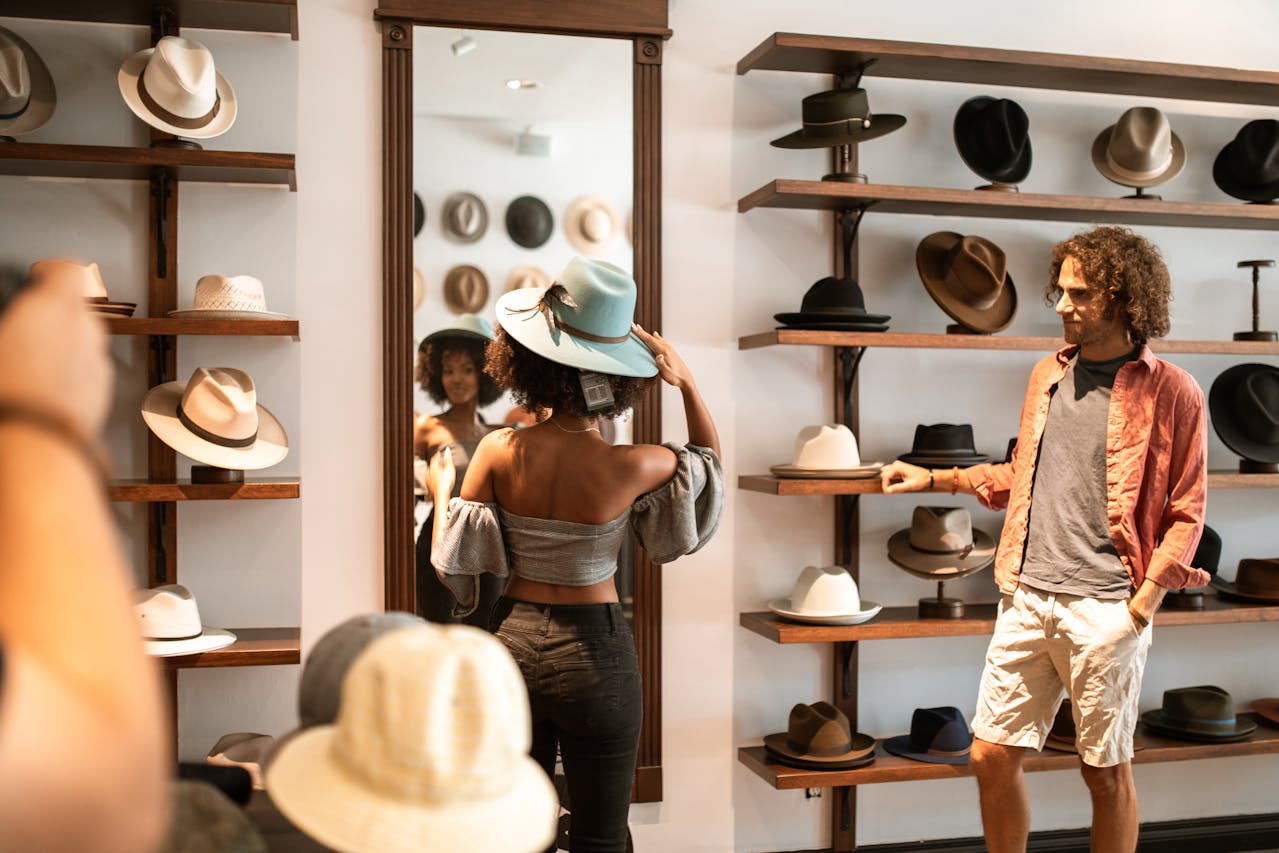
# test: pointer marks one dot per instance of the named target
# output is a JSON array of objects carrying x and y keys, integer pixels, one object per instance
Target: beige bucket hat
[
  {"x": 215, "y": 418},
  {"x": 430, "y": 748},
  {"x": 175, "y": 87},
  {"x": 591, "y": 225},
  {"x": 27, "y": 93}
]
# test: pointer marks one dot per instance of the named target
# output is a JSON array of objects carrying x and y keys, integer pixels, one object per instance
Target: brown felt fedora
[
  {"x": 967, "y": 276},
  {"x": 1139, "y": 150},
  {"x": 1256, "y": 580},
  {"x": 466, "y": 289},
  {"x": 820, "y": 734}
]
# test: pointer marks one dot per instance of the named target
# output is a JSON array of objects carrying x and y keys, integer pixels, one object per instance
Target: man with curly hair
[{"x": 1105, "y": 497}]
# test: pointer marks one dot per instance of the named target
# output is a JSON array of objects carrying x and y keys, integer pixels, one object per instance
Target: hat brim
[
  {"x": 933, "y": 461},
  {"x": 313, "y": 791},
  {"x": 792, "y": 761},
  {"x": 44, "y": 96},
  {"x": 210, "y": 639},
  {"x": 941, "y": 566},
  {"x": 160, "y": 411},
  {"x": 1267, "y": 709},
  {"x": 930, "y": 260},
  {"x": 881, "y": 124},
  {"x": 517, "y": 314},
  {"x": 783, "y": 607},
  {"x": 861, "y": 472},
  {"x": 901, "y": 745},
  {"x": 1226, "y": 589},
  {"x": 1175, "y": 165},
  {"x": 127, "y": 79},
  {"x": 1220, "y": 396},
  {"x": 849, "y": 317},
  {"x": 1228, "y": 184},
  {"x": 1158, "y": 723},
  {"x": 861, "y": 746},
  {"x": 577, "y": 238},
  {"x": 222, "y": 314}
]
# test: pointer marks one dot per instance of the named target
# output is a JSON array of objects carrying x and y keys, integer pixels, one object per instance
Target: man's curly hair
[
  {"x": 536, "y": 382},
  {"x": 1128, "y": 267},
  {"x": 430, "y": 367}
]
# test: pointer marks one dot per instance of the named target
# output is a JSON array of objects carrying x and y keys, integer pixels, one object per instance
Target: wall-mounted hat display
[
  {"x": 88, "y": 279},
  {"x": 419, "y": 288},
  {"x": 941, "y": 544},
  {"x": 993, "y": 138},
  {"x": 419, "y": 214},
  {"x": 1244, "y": 404},
  {"x": 175, "y": 87},
  {"x": 464, "y": 217},
  {"x": 1207, "y": 556},
  {"x": 1062, "y": 735},
  {"x": 826, "y": 451},
  {"x": 967, "y": 276},
  {"x": 820, "y": 736},
  {"x": 527, "y": 276},
  {"x": 943, "y": 446},
  {"x": 228, "y": 297},
  {"x": 1256, "y": 582},
  {"x": 215, "y": 418},
  {"x": 1139, "y": 150},
  {"x": 590, "y": 224},
  {"x": 170, "y": 623},
  {"x": 529, "y": 222},
  {"x": 825, "y": 595},
  {"x": 937, "y": 735},
  {"x": 466, "y": 289},
  {"x": 1248, "y": 166},
  {"x": 1204, "y": 713},
  {"x": 27, "y": 93}
]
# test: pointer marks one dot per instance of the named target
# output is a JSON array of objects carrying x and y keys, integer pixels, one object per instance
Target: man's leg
[
  {"x": 1001, "y": 785},
  {"x": 1114, "y": 808}
]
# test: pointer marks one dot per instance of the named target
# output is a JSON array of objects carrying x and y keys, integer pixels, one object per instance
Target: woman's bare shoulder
[{"x": 649, "y": 465}]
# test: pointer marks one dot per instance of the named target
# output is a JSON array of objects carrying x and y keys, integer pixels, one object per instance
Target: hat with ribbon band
[
  {"x": 839, "y": 117},
  {"x": 937, "y": 735},
  {"x": 941, "y": 544},
  {"x": 170, "y": 623},
  {"x": 819, "y": 735},
  {"x": 27, "y": 93},
  {"x": 1203, "y": 713},
  {"x": 175, "y": 87},
  {"x": 1139, "y": 150},
  {"x": 943, "y": 446}
]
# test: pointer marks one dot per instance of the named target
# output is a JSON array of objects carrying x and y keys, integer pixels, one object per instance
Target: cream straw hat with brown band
[
  {"x": 175, "y": 87},
  {"x": 27, "y": 93}
]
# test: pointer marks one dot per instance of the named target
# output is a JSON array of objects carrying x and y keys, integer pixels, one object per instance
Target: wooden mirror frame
[{"x": 644, "y": 22}]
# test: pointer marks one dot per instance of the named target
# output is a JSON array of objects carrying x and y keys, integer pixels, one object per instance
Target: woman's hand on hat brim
[
  {"x": 670, "y": 366},
  {"x": 898, "y": 476}
]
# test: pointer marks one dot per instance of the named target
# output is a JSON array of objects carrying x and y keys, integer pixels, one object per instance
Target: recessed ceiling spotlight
[
  {"x": 465, "y": 44},
  {"x": 522, "y": 84}
]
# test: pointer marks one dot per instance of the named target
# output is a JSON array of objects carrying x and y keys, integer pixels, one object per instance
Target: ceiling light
[
  {"x": 522, "y": 84},
  {"x": 465, "y": 44}
]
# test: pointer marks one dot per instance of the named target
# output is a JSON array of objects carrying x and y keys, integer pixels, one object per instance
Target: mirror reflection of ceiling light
[
  {"x": 464, "y": 45},
  {"x": 516, "y": 84}
]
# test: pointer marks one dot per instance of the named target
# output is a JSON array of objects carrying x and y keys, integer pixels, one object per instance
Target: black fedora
[
  {"x": 835, "y": 302},
  {"x": 1248, "y": 166},
  {"x": 943, "y": 446},
  {"x": 993, "y": 138},
  {"x": 937, "y": 735},
  {"x": 1244, "y": 404},
  {"x": 1207, "y": 557},
  {"x": 529, "y": 222},
  {"x": 1203, "y": 713},
  {"x": 820, "y": 735},
  {"x": 839, "y": 117}
]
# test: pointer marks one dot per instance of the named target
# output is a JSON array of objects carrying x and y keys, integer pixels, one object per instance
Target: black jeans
[{"x": 582, "y": 673}]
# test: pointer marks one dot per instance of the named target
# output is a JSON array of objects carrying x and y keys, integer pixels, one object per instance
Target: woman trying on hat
[
  {"x": 550, "y": 506},
  {"x": 450, "y": 369}
]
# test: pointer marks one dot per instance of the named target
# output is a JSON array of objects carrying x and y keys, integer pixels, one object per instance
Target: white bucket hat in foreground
[
  {"x": 429, "y": 752},
  {"x": 590, "y": 224},
  {"x": 825, "y": 595},
  {"x": 27, "y": 94},
  {"x": 174, "y": 87},
  {"x": 228, "y": 297},
  {"x": 826, "y": 450},
  {"x": 170, "y": 623},
  {"x": 215, "y": 418}
]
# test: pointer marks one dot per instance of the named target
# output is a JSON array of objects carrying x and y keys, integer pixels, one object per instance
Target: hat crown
[
  {"x": 87, "y": 276},
  {"x": 825, "y": 590},
  {"x": 826, "y": 446},
  {"x": 596, "y": 224},
  {"x": 15, "y": 77},
  {"x": 603, "y": 296},
  {"x": 975, "y": 271},
  {"x": 181, "y": 77},
  {"x": 941, "y": 530},
  {"x": 948, "y": 439},
  {"x": 167, "y": 612},
  {"x": 1205, "y": 708},
  {"x": 1256, "y": 404},
  {"x": 819, "y": 729},
  {"x": 229, "y": 293},
  {"x": 836, "y": 105},
  {"x": 832, "y": 295},
  {"x": 433, "y": 714},
  {"x": 992, "y": 131},
  {"x": 1141, "y": 142},
  {"x": 222, "y": 401},
  {"x": 940, "y": 731},
  {"x": 320, "y": 688},
  {"x": 1258, "y": 577},
  {"x": 1208, "y": 553}
]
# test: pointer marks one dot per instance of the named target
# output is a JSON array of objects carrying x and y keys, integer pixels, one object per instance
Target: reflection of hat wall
[
  {"x": 466, "y": 289},
  {"x": 27, "y": 93},
  {"x": 529, "y": 222},
  {"x": 590, "y": 223},
  {"x": 464, "y": 217}
]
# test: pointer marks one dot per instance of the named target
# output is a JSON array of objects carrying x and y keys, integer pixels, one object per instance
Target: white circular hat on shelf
[
  {"x": 228, "y": 297},
  {"x": 170, "y": 622},
  {"x": 175, "y": 87},
  {"x": 825, "y": 595}
]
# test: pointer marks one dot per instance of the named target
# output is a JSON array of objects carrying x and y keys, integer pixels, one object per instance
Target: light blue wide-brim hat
[
  {"x": 465, "y": 326},
  {"x": 582, "y": 320}
]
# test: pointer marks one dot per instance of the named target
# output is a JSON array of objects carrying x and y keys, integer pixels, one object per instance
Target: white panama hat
[
  {"x": 27, "y": 93},
  {"x": 175, "y": 87},
  {"x": 170, "y": 623}
]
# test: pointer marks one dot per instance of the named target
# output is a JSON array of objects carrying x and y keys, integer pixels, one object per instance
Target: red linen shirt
[{"x": 1156, "y": 470}]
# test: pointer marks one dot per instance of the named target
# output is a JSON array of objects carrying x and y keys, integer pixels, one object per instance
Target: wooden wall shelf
[
  {"x": 770, "y": 485},
  {"x": 252, "y": 647},
  {"x": 938, "y": 201},
  {"x": 110, "y": 162},
  {"x": 255, "y": 489},
  {"x": 166, "y": 326},
  {"x": 257, "y": 16},
  {"x": 818, "y": 54},
  {"x": 914, "y": 340},
  {"x": 893, "y": 768},
  {"x": 899, "y": 623}
]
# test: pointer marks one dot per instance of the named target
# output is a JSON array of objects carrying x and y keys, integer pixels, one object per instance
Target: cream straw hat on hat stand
[
  {"x": 174, "y": 87},
  {"x": 215, "y": 418}
]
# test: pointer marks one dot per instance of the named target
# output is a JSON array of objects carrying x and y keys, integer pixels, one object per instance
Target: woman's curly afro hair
[
  {"x": 430, "y": 367},
  {"x": 1128, "y": 267}
]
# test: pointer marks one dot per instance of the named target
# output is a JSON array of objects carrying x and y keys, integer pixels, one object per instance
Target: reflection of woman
[
  {"x": 550, "y": 506},
  {"x": 450, "y": 368}
]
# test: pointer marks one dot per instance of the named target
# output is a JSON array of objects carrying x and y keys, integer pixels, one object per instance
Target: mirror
[{"x": 445, "y": 131}]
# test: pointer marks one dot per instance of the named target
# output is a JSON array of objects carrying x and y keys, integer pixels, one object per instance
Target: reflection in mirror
[{"x": 522, "y": 159}]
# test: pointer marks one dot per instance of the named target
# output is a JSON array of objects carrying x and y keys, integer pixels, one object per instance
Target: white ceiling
[{"x": 579, "y": 77}]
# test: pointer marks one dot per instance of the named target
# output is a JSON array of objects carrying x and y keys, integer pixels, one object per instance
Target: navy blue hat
[{"x": 937, "y": 735}]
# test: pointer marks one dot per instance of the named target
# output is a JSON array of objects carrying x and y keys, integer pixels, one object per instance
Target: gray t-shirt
[{"x": 1068, "y": 545}]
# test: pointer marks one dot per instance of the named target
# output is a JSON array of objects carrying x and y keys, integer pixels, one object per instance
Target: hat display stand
[
  {"x": 1256, "y": 334},
  {"x": 211, "y": 474},
  {"x": 997, "y": 187},
  {"x": 941, "y": 607},
  {"x": 845, "y": 171},
  {"x": 1142, "y": 194}
]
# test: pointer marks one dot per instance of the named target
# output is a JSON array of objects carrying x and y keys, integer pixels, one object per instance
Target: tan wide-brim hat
[
  {"x": 132, "y": 71},
  {"x": 591, "y": 224},
  {"x": 1139, "y": 150},
  {"x": 43, "y": 95},
  {"x": 527, "y": 276},
  {"x": 466, "y": 289}
]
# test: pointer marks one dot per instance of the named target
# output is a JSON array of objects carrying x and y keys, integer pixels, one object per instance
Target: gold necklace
[{"x": 566, "y": 429}]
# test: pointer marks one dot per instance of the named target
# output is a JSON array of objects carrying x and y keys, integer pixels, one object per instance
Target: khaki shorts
[{"x": 1045, "y": 642}]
